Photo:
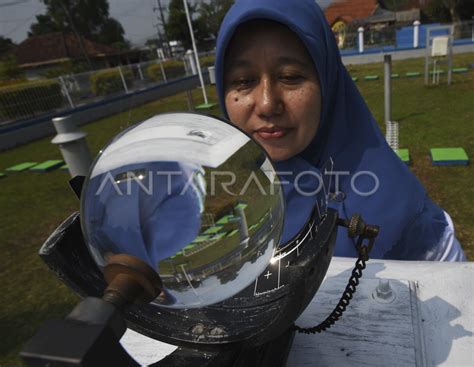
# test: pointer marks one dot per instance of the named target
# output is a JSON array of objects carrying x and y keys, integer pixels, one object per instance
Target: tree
[
  {"x": 9, "y": 69},
  {"x": 176, "y": 27},
  {"x": 437, "y": 12},
  {"x": 394, "y": 5},
  {"x": 212, "y": 13},
  {"x": 450, "y": 10},
  {"x": 90, "y": 18},
  {"x": 152, "y": 43},
  {"x": 6, "y": 45},
  {"x": 452, "y": 5},
  {"x": 44, "y": 24},
  {"x": 112, "y": 34}
]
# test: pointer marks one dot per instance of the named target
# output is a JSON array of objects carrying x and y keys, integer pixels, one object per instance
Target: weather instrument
[{"x": 178, "y": 238}]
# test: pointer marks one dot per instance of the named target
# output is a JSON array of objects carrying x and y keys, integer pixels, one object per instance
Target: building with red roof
[
  {"x": 345, "y": 16},
  {"x": 37, "y": 54}
]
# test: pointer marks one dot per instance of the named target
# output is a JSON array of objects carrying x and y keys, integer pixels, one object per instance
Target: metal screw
[
  {"x": 338, "y": 196},
  {"x": 198, "y": 329},
  {"x": 216, "y": 331},
  {"x": 383, "y": 292}
]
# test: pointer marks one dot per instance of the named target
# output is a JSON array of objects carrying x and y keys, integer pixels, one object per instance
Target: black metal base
[
  {"x": 274, "y": 354},
  {"x": 258, "y": 324},
  {"x": 90, "y": 336},
  {"x": 246, "y": 318}
]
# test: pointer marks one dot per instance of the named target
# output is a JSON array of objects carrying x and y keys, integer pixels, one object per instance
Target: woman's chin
[
  {"x": 279, "y": 149},
  {"x": 278, "y": 155}
]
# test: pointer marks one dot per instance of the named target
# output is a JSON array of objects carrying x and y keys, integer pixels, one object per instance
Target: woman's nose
[{"x": 268, "y": 101}]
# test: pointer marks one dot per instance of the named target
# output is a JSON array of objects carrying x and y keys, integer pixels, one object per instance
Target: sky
[{"x": 136, "y": 16}]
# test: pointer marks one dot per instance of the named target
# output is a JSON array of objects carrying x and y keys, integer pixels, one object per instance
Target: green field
[{"x": 33, "y": 204}]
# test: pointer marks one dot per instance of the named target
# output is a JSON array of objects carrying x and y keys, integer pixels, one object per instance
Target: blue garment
[
  {"x": 299, "y": 202},
  {"x": 411, "y": 224},
  {"x": 152, "y": 219}
]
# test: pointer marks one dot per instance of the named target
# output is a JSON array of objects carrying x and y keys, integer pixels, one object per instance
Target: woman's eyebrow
[
  {"x": 288, "y": 60},
  {"x": 239, "y": 63},
  {"x": 280, "y": 61}
]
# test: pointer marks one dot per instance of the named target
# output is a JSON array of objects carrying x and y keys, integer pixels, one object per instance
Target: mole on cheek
[{"x": 236, "y": 99}]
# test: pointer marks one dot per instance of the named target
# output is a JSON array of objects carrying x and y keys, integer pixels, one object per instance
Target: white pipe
[
  {"x": 203, "y": 87},
  {"x": 416, "y": 33},
  {"x": 66, "y": 91},
  {"x": 140, "y": 73},
  {"x": 123, "y": 79},
  {"x": 472, "y": 29},
  {"x": 361, "y": 39},
  {"x": 160, "y": 60},
  {"x": 73, "y": 146}
]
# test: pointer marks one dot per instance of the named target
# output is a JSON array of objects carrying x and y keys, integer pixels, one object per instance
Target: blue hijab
[
  {"x": 411, "y": 225},
  {"x": 151, "y": 220}
]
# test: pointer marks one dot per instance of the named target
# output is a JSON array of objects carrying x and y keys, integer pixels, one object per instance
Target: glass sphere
[{"x": 193, "y": 197}]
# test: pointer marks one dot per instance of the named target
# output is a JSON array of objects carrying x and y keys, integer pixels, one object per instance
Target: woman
[{"x": 281, "y": 79}]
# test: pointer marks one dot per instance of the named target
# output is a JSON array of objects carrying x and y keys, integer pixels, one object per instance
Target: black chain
[
  {"x": 365, "y": 232},
  {"x": 342, "y": 304}
]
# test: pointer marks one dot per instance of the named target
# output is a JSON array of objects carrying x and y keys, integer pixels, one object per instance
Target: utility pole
[
  {"x": 196, "y": 55},
  {"x": 161, "y": 19}
]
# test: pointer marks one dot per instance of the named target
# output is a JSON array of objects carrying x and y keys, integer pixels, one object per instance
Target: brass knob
[{"x": 130, "y": 280}]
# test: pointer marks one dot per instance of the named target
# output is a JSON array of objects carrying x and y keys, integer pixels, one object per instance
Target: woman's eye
[
  {"x": 242, "y": 83},
  {"x": 291, "y": 78}
]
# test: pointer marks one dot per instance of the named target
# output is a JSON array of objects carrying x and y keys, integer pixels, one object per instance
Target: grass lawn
[{"x": 33, "y": 204}]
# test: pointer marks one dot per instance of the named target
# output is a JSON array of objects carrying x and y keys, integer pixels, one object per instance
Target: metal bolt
[
  {"x": 216, "y": 331},
  {"x": 338, "y": 196},
  {"x": 383, "y": 289},
  {"x": 384, "y": 292},
  {"x": 198, "y": 329}
]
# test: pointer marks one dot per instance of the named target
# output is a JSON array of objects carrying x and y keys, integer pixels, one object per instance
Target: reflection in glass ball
[{"x": 193, "y": 197}]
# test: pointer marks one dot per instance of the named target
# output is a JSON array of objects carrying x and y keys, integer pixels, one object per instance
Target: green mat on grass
[
  {"x": 218, "y": 236},
  {"x": 241, "y": 205},
  {"x": 395, "y": 76},
  {"x": 404, "y": 155},
  {"x": 460, "y": 70},
  {"x": 448, "y": 156},
  {"x": 21, "y": 167},
  {"x": 205, "y": 106},
  {"x": 354, "y": 78},
  {"x": 412, "y": 74},
  {"x": 226, "y": 219},
  {"x": 371, "y": 77},
  {"x": 230, "y": 234},
  {"x": 2, "y": 175},
  {"x": 213, "y": 230},
  {"x": 47, "y": 166},
  {"x": 200, "y": 239}
]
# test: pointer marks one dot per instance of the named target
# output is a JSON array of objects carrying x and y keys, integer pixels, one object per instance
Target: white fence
[
  {"x": 393, "y": 37},
  {"x": 75, "y": 90}
]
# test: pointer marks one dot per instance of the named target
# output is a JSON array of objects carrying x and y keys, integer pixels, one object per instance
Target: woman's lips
[{"x": 268, "y": 133}]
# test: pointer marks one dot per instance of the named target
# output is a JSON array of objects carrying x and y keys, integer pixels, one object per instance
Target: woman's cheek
[
  {"x": 231, "y": 100},
  {"x": 238, "y": 107},
  {"x": 306, "y": 100}
]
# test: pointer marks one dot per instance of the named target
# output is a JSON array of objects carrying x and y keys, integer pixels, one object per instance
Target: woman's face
[{"x": 271, "y": 88}]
